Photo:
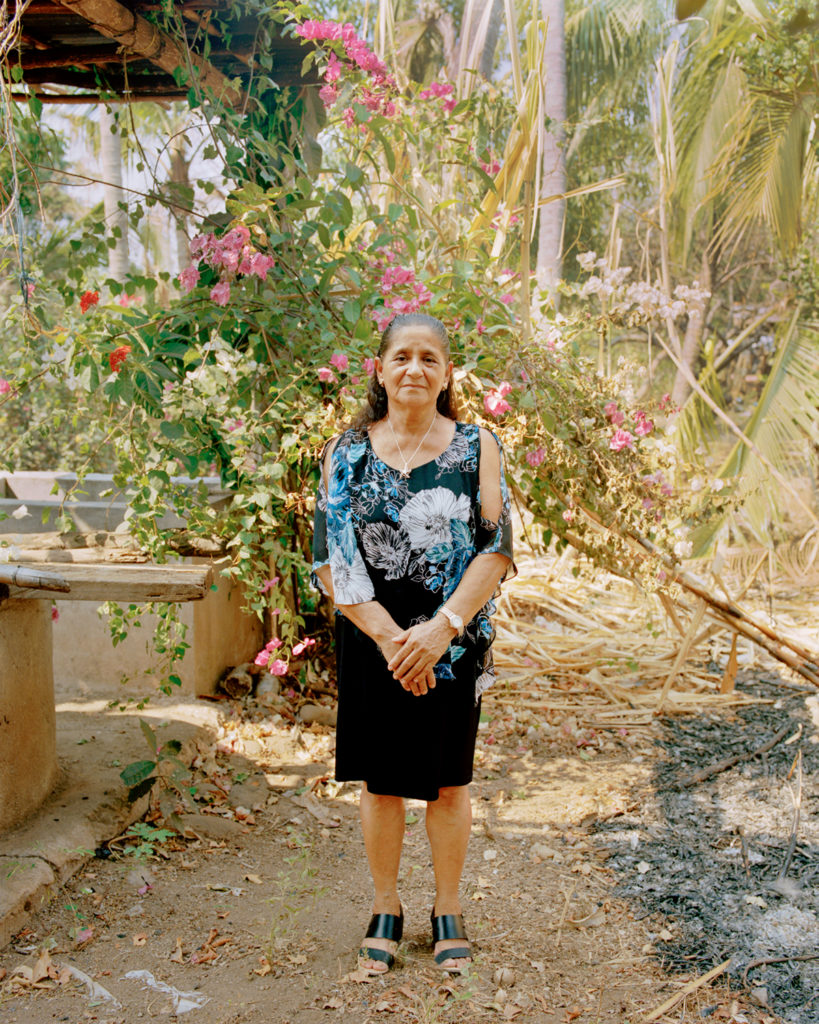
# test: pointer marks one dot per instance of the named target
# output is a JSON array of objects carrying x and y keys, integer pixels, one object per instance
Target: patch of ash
[{"x": 714, "y": 858}]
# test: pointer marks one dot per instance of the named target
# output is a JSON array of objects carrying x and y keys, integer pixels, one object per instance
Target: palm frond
[{"x": 782, "y": 426}]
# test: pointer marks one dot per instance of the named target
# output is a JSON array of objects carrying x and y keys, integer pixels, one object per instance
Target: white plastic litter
[
  {"x": 183, "y": 1002},
  {"x": 96, "y": 992}
]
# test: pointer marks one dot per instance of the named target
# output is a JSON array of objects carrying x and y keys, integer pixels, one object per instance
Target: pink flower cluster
[
  {"x": 621, "y": 438},
  {"x": 231, "y": 255},
  {"x": 440, "y": 91},
  {"x": 342, "y": 363},
  {"x": 658, "y": 480},
  {"x": 398, "y": 277},
  {"x": 5, "y": 387},
  {"x": 491, "y": 169},
  {"x": 359, "y": 55},
  {"x": 535, "y": 457},
  {"x": 266, "y": 658},
  {"x": 495, "y": 401}
]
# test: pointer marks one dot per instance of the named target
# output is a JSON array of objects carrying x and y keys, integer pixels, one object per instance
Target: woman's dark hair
[{"x": 375, "y": 406}]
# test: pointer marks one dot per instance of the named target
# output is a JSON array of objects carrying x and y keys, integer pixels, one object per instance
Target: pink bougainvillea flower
[
  {"x": 262, "y": 658},
  {"x": 326, "y": 375},
  {"x": 236, "y": 239},
  {"x": 495, "y": 404},
  {"x": 665, "y": 400},
  {"x": 55, "y": 613},
  {"x": 328, "y": 95},
  {"x": 220, "y": 293},
  {"x": 644, "y": 426},
  {"x": 535, "y": 456},
  {"x": 524, "y": 376},
  {"x": 349, "y": 117},
  {"x": 332, "y": 72},
  {"x": 303, "y": 645},
  {"x": 260, "y": 264},
  {"x": 369, "y": 366},
  {"x": 613, "y": 414},
  {"x": 647, "y": 503},
  {"x": 88, "y": 299},
  {"x": 202, "y": 246},
  {"x": 273, "y": 644},
  {"x": 340, "y": 361},
  {"x": 504, "y": 388},
  {"x": 489, "y": 168},
  {"x": 480, "y": 327},
  {"x": 118, "y": 357},
  {"x": 268, "y": 584},
  {"x": 568, "y": 514},
  {"x": 621, "y": 439},
  {"x": 277, "y": 667},
  {"x": 507, "y": 299},
  {"x": 5, "y": 387},
  {"x": 450, "y": 105},
  {"x": 188, "y": 278},
  {"x": 30, "y": 287}
]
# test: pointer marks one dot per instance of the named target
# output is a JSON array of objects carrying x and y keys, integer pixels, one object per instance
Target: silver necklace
[{"x": 405, "y": 472}]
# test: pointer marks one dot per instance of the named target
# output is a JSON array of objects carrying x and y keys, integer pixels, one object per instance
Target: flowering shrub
[{"x": 267, "y": 344}]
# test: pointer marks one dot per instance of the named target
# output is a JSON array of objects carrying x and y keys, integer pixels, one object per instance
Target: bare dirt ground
[{"x": 257, "y": 911}]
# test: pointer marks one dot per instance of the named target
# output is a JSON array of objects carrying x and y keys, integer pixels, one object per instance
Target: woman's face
[{"x": 414, "y": 369}]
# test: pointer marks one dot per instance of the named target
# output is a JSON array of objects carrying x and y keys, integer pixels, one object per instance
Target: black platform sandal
[
  {"x": 450, "y": 926},
  {"x": 382, "y": 926}
]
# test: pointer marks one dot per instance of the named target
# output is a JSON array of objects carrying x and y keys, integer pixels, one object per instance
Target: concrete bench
[{"x": 28, "y": 758}]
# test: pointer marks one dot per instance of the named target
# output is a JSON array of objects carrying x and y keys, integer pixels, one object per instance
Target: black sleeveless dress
[{"x": 406, "y": 542}]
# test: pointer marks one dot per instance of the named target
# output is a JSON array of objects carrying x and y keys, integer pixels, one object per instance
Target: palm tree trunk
[
  {"x": 553, "y": 180},
  {"x": 115, "y": 216},
  {"x": 692, "y": 342}
]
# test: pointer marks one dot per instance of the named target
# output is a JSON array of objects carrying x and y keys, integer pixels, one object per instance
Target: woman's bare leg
[
  {"x": 382, "y": 823},
  {"x": 449, "y": 821}
]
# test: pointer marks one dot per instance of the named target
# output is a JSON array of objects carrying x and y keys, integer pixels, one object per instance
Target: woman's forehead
[{"x": 416, "y": 336}]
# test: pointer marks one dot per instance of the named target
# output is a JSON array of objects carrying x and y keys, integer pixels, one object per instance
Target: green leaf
[
  {"x": 395, "y": 211},
  {"x": 135, "y": 792},
  {"x": 173, "y": 431},
  {"x": 149, "y": 735},
  {"x": 352, "y": 311},
  {"x": 137, "y": 771}
]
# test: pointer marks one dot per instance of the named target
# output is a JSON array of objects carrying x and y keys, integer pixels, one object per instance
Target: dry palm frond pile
[{"x": 596, "y": 646}]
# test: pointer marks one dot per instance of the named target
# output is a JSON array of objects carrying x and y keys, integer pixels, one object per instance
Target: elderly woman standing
[{"x": 412, "y": 537}]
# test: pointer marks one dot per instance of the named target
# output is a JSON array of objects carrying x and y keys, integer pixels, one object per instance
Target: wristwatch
[{"x": 455, "y": 620}]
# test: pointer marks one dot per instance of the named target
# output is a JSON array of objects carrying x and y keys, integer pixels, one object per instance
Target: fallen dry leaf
[
  {"x": 298, "y": 959},
  {"x": 265, "y": 968},
  {"x": 333, "y": 1004},
  {"x": 140, "y": 938},
  {"x": 254, "y": 879},
  {"x": 387, "y": 1006},
  {"x": 358, "y": 976},
  {"x": 178, "y": 956}
]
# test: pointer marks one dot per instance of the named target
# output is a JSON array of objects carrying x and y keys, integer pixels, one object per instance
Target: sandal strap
[
  {"x": 447, "y": 926},
  {"x": 459, "y": 953},
  {"x": 373, "y": 953},
  {"x": 386, "y": 926}
]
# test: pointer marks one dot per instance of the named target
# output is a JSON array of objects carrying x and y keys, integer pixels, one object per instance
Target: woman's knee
[{"x": 453, "y": 796}]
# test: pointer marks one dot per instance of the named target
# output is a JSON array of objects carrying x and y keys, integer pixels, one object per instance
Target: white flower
[
  {"x": 20, "y": 512},
  {"x": 351, "y": 583},
  {"x": 586, "y": 260},
  {"x": 717, "y": 484},
  {"x": 455, "y": 454},
  {"x": 696, "y": 484},
  {"x": 683, "y": 548},
  {"x": 386, "y": 548},
  {"x": 427, "y": 515}
]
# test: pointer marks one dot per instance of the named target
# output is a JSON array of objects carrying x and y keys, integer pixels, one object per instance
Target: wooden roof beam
[{"x": 133, "y": 32}]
